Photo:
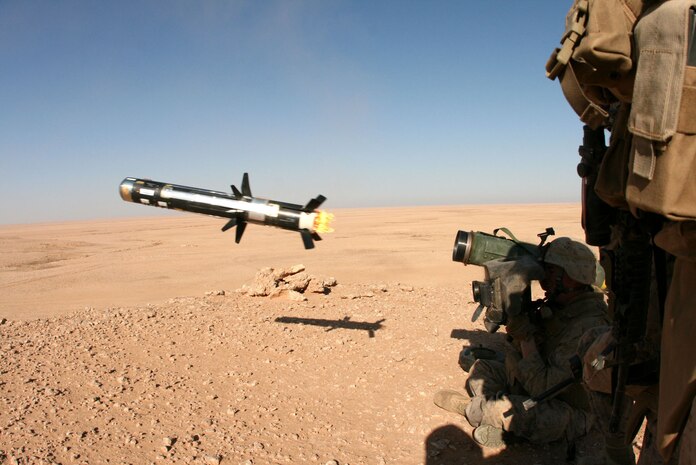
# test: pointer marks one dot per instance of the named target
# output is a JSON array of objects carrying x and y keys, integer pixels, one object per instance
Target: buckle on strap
[{"x": 560, "y": 57}]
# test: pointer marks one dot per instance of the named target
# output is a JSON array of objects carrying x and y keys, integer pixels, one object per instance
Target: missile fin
[
  {"x": 316, "y": 236},
  {"x": 307, "y": 239},
  {"x": 314, "y": 203},
  {"x": 230, "y": 224},
  {"x": 246, "y": 190},
  {"x": 240, "y": 231},
  {"x": 236, "y": 192}
]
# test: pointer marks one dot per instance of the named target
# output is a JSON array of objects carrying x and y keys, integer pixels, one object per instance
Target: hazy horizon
[{"x": 146, "y": 212}]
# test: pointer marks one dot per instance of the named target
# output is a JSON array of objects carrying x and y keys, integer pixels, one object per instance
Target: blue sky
[{"x": 370, "y": 103}]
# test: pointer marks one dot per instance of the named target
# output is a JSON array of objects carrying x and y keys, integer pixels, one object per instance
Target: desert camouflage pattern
[
  {"x": 492, "y": 405},
  {"x": 498, "y": 389},
  {"x": 574, "y": 257}
]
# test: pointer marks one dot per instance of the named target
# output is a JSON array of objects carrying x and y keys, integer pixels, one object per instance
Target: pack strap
[
  {"x": 560, "y": 66},
  {"x": 506, "y": 231},
  {"x": 531, "y": 249},
  {"x": 590, "y": 112},
  {"x": 569, "y": 41}
]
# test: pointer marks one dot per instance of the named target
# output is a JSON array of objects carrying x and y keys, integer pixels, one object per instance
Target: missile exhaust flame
[{"x": 322, "y": 222}]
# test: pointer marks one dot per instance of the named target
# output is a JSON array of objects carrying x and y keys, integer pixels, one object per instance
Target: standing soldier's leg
[
  {"x": 687, "y": 447},
  {"x": 678, "y": 363},
  {"x": 649, "y": 455}
]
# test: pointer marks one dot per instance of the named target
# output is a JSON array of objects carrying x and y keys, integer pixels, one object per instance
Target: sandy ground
[{"x": 119, "y": 346}]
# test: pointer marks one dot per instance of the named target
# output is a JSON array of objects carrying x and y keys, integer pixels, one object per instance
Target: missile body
[{"x": 240, "y": 207}]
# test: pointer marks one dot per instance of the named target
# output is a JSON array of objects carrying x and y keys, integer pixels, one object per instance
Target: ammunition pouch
[
  {"x": 663, "y": 115},
  {"x": 613, "y": 172}
]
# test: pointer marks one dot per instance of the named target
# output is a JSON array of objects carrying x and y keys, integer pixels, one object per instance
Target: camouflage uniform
[{"x": 498, "y": 389}]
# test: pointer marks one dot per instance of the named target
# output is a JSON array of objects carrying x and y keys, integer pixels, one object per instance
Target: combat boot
[
  {"x": 489, "y": 436},
  {"x": 452, "y": 401}
]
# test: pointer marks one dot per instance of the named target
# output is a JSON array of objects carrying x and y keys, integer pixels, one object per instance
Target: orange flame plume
[{"x": 322, "y": 222}]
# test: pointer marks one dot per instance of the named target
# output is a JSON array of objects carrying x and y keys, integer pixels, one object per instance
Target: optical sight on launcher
[{"x": 510, "y": 266}]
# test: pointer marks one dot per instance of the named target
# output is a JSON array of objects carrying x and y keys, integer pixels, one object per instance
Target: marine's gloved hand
[{"x": 520, "y": 328}]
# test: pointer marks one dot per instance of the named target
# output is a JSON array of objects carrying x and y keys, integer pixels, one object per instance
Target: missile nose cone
[{"x": 126, "y": 189}]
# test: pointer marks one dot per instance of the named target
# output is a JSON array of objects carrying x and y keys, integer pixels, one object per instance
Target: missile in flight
[{"x": 240, "y": 207}]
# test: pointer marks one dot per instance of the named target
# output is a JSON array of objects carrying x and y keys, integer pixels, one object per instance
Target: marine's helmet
[{"x": 576, "y": 259}]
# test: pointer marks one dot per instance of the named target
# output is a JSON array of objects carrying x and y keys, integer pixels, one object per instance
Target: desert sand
[{"x": 125, "y": 341}]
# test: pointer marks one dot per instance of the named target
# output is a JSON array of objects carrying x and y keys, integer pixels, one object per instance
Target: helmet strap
[{"x": 561, "y": 289}]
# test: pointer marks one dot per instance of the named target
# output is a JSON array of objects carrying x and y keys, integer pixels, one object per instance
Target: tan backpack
[
  {"x": 594, "y": 63},
  {"x": 635, "y": 52}
]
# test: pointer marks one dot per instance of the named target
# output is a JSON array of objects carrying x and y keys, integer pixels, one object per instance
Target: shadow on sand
[
  {"x": 345, "y": 323},
  {"x": 450, "y": 445}
]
